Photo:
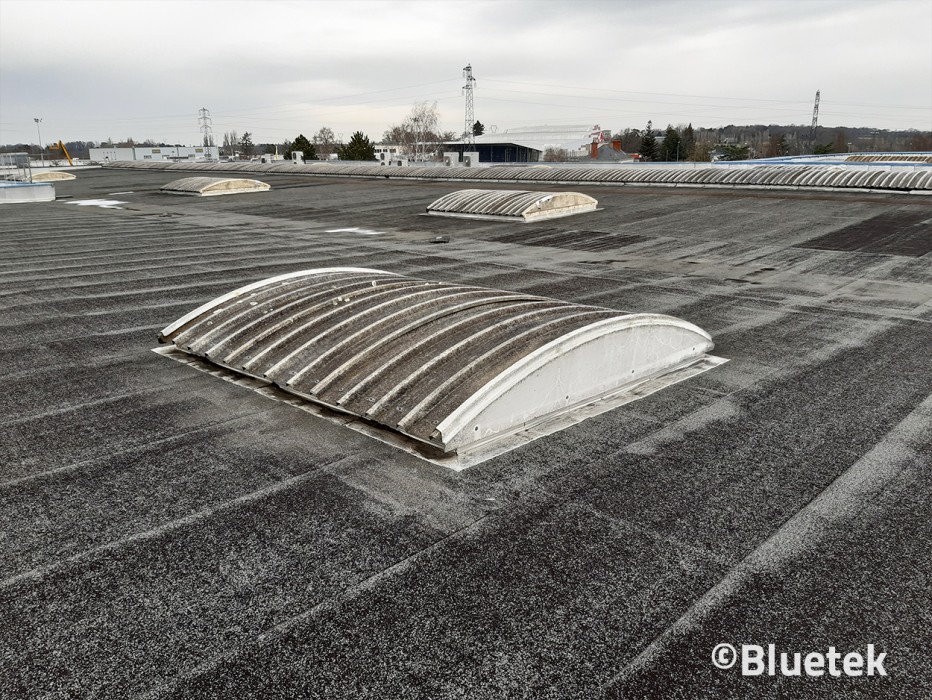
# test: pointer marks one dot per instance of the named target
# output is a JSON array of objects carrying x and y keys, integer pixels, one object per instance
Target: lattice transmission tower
[
  {"x": 815, "y": 121},
  {"x": 206, "y": 124},
  {"x": 469, "y": 137}
]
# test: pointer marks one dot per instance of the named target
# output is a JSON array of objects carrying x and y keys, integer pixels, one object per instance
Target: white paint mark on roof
[{"x": 102, "y": 203}]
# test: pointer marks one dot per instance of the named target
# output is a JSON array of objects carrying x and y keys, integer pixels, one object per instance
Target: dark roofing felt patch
[{"x": 890, "y": 233}]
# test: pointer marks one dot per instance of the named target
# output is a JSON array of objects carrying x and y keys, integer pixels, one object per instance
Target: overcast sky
[{"x": 94, "y": 70}]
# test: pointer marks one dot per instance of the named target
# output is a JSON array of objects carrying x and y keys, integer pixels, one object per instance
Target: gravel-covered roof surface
[{"x": 164, "y": 533}]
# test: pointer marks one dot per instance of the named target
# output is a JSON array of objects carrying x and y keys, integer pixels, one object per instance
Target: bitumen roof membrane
[{"x": 166, "y": 534}]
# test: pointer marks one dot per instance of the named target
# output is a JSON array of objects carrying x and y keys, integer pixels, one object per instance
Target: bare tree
[
  {"x": 556, "y": 155},
  {"x": 394, "y": 135},
  {"x": 230, "y": 141},
  {"x": 325, "y": 142},
  {"x": 419, "y": 135}
]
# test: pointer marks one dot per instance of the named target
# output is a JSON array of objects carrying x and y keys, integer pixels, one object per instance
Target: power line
[
  {"x": 239, "y": 110},
  {"x": 726, "y": 111},
  {"x": 707, "y": 97}
]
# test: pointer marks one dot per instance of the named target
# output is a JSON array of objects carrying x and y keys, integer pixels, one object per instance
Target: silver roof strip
[
  {"x": 290, "y": 319},
  {"x": 486, "y": 298},
  {"x": 383, "y": 290},
  {"x": 388, "y": 364},
  {"x": 172, "y": 327},
  {"x": 199, "y": 328},
  {"x": 437, "y": 359},
  {"x": 324, "y": 289},
  {"x": 451, "y": 381}
]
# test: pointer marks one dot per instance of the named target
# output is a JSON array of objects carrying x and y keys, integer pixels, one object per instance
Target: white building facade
[{"x": 109, "y": 154}]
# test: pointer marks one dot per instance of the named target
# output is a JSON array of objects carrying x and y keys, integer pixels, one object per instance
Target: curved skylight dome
[
  {"x": 449, "y": 365},
  {"x": 516, "y": 205},
  {"x": 212, "y": 186},
  {"x": 52, "y": 176}
]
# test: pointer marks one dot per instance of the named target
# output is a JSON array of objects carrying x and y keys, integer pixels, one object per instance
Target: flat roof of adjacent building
[{"x": 168, "y": 534}]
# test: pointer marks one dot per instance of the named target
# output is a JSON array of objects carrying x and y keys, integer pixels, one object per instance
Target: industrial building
[
  {"x": 176, "y": 527},
  {"x": 110, "y": 154},
  {"x": 529, "y": 144}
]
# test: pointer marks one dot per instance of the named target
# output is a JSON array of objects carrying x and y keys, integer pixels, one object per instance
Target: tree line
[
  {"x": 420, "y": 137},
  {"x": 685, "y": 143}
]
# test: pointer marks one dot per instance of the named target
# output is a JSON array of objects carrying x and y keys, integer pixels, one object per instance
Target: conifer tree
[
  {"x": 303, "y": 144},
  {"x": 670, "y": 148},
  {"x": 648, "y": 147},
  {"x": 358, "y": 148},
  {"x": 687, "y": 141}
]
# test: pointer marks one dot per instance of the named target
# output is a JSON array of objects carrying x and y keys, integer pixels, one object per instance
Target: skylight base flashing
[{"x": 476, "y": 453}]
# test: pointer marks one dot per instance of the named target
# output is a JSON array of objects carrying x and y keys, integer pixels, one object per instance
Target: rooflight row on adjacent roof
[{"x": 915, "y": 179}]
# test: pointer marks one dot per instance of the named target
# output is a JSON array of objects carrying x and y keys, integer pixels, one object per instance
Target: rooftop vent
[
  {"x": 213, "y": 186},
  {"x": 19, "y": 192},
  {"x": 466, "y": 372},
  {"x": 512, "y": 205}
]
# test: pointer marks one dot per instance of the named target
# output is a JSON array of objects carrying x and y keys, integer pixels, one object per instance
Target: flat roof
[{"x": 168, "y": 534}]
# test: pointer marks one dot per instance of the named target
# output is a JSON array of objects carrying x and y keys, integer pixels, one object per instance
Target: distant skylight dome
[
  {"x": 513, "y": 205},
  {"x": 213, "y": 186},
  {"x": 51, "y": 176}
]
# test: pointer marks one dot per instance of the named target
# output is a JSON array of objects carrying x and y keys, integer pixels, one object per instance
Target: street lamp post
[
  {"x": 41, "y": 157},
  {"x": 417, "y": 138}
]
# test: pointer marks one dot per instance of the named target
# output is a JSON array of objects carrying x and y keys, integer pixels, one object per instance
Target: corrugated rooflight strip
[{"x": 785, "y": 175}]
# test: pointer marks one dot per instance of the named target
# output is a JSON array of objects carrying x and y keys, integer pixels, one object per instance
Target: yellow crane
[{"x": 61, "y": 147}]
